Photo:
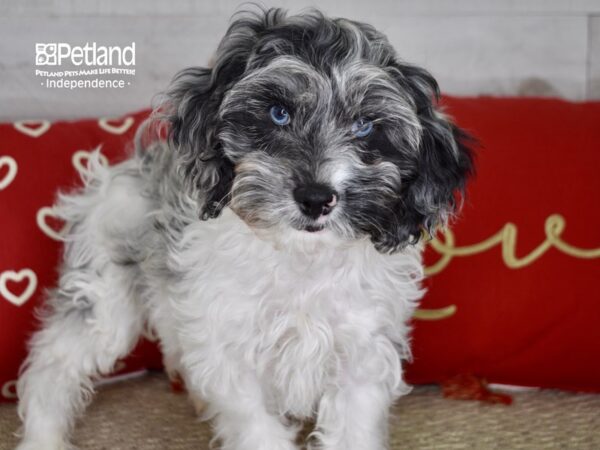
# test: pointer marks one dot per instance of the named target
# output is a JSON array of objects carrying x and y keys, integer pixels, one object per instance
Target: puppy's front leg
[
  {"x": 243, "y": 422},
  {"x": 353, "y": 417}
]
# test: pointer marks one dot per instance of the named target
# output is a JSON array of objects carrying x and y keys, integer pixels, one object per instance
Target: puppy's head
[{"x": 307, "y": 124}]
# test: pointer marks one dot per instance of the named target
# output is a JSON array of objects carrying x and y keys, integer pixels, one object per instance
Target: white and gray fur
[{"x": 266, "y": 319}]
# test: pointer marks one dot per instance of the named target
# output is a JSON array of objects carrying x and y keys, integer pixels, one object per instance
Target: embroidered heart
[
  {"x": 9, "y": 390},
  {"x": 49, "y": 222},
  {"x": 10, "y": 174},
  {"x": 32, "y": 128},
  {"x": 115, "y": 128},
  {"x": 18, "y": 277},
  {"x": 81, "y": 160}
]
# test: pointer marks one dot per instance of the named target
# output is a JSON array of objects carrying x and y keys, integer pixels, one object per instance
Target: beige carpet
[{"x": 144, "y": 414}]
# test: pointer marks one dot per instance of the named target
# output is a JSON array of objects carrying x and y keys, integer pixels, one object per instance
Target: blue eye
[
  {"x": 362, "y": 128},
  {"x": 279, "y": 115}
]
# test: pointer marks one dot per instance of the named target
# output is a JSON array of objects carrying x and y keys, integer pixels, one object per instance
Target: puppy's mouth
[{"x": 313, "y": 228}]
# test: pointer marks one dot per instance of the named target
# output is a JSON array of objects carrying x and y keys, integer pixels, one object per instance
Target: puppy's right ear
[
  {"x": 192, "y": 112},
  {"x": 192, "y": 107}
]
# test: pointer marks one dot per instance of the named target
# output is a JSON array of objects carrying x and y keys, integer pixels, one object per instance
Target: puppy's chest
[
  {"x": 302, "y": 347},
  {"x": 300, "y": 321},
  {"x": 306, "y": 323}
]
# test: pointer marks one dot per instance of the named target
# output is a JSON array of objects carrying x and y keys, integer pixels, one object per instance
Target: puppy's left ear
[{"x": 442, "y": 162}]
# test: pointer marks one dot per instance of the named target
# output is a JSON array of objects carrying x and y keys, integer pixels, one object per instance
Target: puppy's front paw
[
  {"x": 45, "y": 445},
  {"x": 263, "y": 444},
  {"x": 278, "y": 445}
]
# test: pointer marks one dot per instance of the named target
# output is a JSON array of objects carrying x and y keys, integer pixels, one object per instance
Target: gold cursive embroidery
[
  {"x": 435, "y": 314},
  {"x": 507, "y": 237}
]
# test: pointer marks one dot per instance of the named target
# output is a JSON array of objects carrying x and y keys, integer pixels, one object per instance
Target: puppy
[{"x": 271, "y": 240}]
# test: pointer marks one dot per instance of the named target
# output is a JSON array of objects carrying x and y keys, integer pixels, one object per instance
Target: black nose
[{"x": 315, "y": 199}]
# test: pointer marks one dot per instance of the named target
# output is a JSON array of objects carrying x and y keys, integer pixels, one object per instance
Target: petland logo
[
  {"x": 54, "y": 54},
  {"x": 91, "y": 66}
]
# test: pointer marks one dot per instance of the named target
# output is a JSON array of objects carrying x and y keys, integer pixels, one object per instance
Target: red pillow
[
  {"x": 534, "y": 324},
  {"x": 522, "y": 267},
  {"x": 36, "y": 159}
]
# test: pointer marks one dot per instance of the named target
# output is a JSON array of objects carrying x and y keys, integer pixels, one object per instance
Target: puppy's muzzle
[{"x": 315, "y": 200}]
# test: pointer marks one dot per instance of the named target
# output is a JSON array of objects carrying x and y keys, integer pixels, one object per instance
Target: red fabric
[
  {"x": 535, "y": 325},
  {"x": 45, "y": 160},
  {"x": 469, "y": 387}
]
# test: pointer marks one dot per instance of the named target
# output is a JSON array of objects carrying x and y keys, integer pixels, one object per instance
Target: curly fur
[{"x": 201, "y": 237}]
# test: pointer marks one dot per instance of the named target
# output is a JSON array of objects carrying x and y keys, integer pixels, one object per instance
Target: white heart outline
[
  {"x": 84, "y": 170},
  {"x": 40, "y": 218},
  {"x": 18, "y": 300},
  {"x": 12, "y": 170},
  {"x": 21, "y": 125},
  {"x": 9, "y": 389},
  {"x": 116, "y": 129}
]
